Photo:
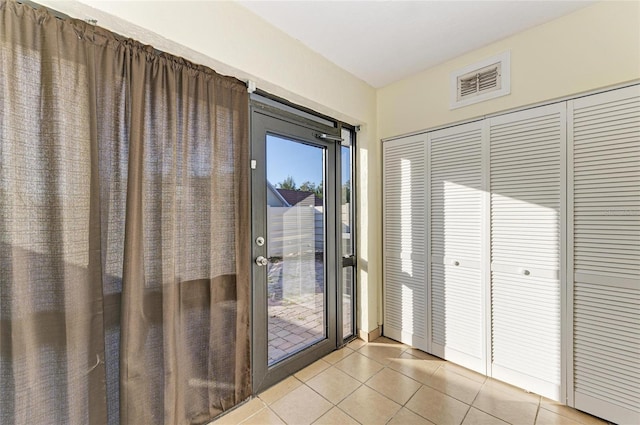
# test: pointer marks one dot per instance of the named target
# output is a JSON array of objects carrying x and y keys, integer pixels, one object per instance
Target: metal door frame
[{"x": 266, "y": 119}]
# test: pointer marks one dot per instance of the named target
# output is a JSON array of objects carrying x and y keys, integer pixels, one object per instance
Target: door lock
[
  {"x": 262, "y": 261},
  {"x": 260, "y": 241}
]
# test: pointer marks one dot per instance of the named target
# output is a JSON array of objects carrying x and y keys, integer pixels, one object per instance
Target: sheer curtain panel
[{"x": 124, "y": 229}]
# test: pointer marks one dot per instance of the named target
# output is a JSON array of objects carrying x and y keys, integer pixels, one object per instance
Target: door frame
[{"x": 267, "y": 119}]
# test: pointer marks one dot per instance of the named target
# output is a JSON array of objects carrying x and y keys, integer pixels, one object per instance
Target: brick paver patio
[{"x": 296, "y": 304}]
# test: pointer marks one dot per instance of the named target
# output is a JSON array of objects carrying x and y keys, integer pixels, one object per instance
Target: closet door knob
[{"x": 456, "y": 263}]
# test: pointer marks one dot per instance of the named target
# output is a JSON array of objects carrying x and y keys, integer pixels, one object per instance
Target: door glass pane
[
  {"x": 295, "y": 246},
  {"x": 346, "y": 214},
  {"x": 347, "y": 246},
  {"x": 348, "y": 300}
]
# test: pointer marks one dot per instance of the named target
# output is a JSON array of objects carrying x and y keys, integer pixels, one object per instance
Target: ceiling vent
[{"x": 481, "y": 81}]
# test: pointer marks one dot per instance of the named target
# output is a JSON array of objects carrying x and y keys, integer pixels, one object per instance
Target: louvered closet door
[
  {"x": 404, "y": 196},
  {"x": 527, "y": 151},
  {"x": 456, "y": 211},
  {"x": 605, "y": 135}
]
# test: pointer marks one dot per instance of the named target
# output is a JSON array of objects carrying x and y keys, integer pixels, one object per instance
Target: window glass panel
[
  {"x": 348, "y": 299},
  {"x": 347, "y": 233},
  {"x": 346, "y": 189}
]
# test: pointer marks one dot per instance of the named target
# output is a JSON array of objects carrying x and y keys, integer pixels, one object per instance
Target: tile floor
[{"x": 385, "y": 382}]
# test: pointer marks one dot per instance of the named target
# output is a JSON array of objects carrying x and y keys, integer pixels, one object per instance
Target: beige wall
[
  {"x": 595, "y": 47},
  {"x": 234, "y": 41}
]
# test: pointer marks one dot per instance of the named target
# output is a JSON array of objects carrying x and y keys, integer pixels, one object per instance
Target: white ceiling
[{"x": 384, "y": 41}]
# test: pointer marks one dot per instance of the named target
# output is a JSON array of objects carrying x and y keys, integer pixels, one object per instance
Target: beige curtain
[{"x": 124, "y": 229}]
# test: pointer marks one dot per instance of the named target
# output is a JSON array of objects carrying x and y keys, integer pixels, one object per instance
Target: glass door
[{"x": 294, "y": 244}]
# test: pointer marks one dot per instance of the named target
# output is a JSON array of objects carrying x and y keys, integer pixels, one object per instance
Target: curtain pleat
[{"x": 124, "y": 225}]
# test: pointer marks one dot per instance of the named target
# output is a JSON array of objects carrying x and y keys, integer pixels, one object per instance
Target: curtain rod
[{"x": 54, "y": 12}]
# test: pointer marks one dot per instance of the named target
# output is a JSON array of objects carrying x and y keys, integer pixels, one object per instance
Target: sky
[{"x": 302, "y": 162}]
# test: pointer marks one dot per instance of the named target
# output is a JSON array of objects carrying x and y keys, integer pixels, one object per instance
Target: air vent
[{"x": 481, "y": 81}]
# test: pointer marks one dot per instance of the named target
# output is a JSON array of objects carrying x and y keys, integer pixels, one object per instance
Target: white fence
[
  {"x": 294, "y": 230},
  {"x": 299, "y": 229}
]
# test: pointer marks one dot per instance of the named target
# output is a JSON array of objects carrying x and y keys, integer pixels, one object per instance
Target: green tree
[
  {"x": 319, "y": 190},
  {"x": 288, "y": 183},
  {"x": 308, "y": 187},
  {"x": 346, "y": 192},
  {"x": 311, "y": 187}
]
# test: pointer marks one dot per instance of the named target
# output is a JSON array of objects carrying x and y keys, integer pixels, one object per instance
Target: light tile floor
[{"x": 385, "y": 382}]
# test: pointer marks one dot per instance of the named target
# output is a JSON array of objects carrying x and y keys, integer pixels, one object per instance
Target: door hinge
[{"x": 254, "y": 164}]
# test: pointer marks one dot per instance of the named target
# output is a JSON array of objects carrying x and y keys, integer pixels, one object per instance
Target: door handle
[
  {"x": 261, "y": 261},
  {"x": 524, "y": 272}
]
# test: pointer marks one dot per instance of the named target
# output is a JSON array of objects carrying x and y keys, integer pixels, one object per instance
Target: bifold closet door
[
  {"x": 405, "y": 240},
  {"x": 527, "y": 165},
  {"x": 604, "y": 138},
  {"x": 456, "y": 224}
]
